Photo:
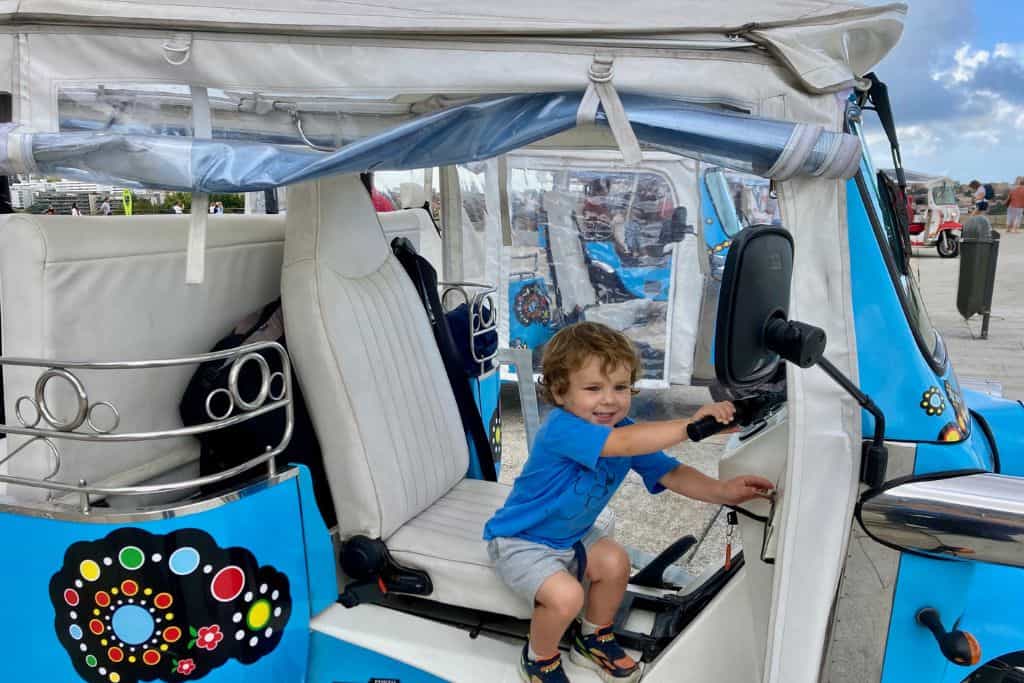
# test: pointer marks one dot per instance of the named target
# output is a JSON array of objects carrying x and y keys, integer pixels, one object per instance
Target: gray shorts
[{"x": 525, "y": 565}]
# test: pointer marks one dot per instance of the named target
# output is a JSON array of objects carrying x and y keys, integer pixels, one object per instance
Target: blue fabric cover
[{"x": 460, "y": 134}]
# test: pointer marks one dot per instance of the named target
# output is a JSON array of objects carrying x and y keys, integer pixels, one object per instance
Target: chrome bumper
[{"x": 969, "y": 517}]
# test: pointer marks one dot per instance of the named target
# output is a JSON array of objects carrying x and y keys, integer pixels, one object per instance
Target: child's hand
[
  {"x": 743, "y": 488},
  {"x": 723, "y": 411}
]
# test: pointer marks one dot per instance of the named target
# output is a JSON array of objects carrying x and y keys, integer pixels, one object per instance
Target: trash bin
[{"x": 979, "y": 252}]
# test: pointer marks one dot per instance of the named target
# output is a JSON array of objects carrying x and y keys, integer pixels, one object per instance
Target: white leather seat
[
  {"x": 82, "y": 288},
  {"x": 389, "y": 429}
]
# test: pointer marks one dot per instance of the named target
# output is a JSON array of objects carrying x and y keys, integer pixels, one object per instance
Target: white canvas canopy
[
  {"x": 825, "y": 43},
  {"x": 793, "y": 60}
]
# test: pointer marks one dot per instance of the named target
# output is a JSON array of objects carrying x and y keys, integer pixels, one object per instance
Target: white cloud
[{"x": 965, "y": 65}]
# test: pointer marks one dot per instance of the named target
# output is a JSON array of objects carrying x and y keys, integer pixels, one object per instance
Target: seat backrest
[
  {"x": 365, "y": 355},
  {"x": 95, "y": 289}
]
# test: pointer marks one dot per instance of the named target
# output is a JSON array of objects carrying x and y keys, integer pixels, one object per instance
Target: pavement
[
  {"x": 649, "y": 523},
  {"x": 1000, "y": 358}
]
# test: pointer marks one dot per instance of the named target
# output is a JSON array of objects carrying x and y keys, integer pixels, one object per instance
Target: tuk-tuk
[
  {"x": 891, "y": 552},
  {"x": 933, "y": 213}
]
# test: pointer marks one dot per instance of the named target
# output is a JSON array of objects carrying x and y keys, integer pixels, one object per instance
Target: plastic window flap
[{"x": 459, "y": 134}]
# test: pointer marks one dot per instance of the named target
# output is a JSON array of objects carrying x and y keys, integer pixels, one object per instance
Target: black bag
[
  {"x": 484, "y": 344},
  {"x": 228, "y": 447},
  {"x": 990, "y": 192}
]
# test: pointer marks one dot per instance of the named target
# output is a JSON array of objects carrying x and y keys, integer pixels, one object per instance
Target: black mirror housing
[{"x": 755, "y": 290}]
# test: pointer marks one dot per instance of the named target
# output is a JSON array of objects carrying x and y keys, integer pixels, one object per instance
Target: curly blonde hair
[{"x": 572, "y": 346}]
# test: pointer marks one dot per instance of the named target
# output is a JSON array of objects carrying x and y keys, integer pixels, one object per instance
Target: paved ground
[
  {"x": 649, "y": 523},
  {"x": 1001, "y": 356}
]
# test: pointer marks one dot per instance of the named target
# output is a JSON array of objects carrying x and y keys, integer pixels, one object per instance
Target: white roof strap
[
  {"x": 195, "y": 259},
  {"x": 601, "y": 91},
  {"x": 178, "y": 49}
]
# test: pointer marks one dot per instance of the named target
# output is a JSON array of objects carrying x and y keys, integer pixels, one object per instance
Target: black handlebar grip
[{"x": 705, "y": 427}]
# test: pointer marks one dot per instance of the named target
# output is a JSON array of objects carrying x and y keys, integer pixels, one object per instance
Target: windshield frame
[
  {"x": 878, "y": 212},
  {"x": 721, "y": 201}
]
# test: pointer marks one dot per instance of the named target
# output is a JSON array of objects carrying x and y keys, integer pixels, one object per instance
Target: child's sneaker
[
  {"x": 599, "y": 651},
  {"x": 542, "y": 670}
]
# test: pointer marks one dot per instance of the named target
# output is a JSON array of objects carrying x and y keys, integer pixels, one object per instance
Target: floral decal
[
  {"x": 208, "y": 637},
  {"x": 933, "y": 402},
  {"x": 135, "y": 606},
  {"x": 185, "y": 667}
]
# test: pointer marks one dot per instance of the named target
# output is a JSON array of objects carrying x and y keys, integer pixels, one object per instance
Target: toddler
[{"x": 543, "y": 541}]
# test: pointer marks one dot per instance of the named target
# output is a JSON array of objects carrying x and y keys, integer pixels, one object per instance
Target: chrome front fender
[{"x": 967, "y": 517}]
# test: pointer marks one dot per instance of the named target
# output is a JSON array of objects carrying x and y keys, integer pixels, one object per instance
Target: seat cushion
[{"x": 446, "y": 541}]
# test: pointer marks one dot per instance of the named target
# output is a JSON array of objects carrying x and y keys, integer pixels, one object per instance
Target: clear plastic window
[{"x": 590, "y": 244}]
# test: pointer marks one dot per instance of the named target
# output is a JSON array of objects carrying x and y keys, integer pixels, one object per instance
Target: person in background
[
  {"x": 74, "y": 210},
  {"x": 980, "y": 203},
  {"x": 380, "y": 202},
  {"x": 178, "y": 207},
  {"x": 50, "y": 211},
  {"x": 1015, "y": 206},
  {"x": 105, "y": 207}
]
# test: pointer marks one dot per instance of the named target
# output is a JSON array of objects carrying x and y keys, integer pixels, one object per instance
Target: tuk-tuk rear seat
[{"x": 113, "y": 289}]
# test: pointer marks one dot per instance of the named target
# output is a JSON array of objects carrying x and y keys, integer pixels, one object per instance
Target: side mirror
[{"x": 753, "y": 331}]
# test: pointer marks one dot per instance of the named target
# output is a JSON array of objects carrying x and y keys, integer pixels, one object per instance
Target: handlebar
[{"x": 748, "y": 410}]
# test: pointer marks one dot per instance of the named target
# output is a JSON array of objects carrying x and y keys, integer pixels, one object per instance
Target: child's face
[{"x": 598, "y": 397}]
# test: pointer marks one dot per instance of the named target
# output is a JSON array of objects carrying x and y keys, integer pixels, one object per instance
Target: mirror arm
[
  {"x": 804, "y": 345},
  {"x": 875, "y": 456}
]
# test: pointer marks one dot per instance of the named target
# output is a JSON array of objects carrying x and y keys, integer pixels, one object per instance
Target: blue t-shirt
[{"x": 565, "y": 483}]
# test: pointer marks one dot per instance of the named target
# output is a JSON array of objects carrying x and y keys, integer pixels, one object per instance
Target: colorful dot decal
[
  {"x": 131, "y": 557},
  {"x": 227, "y": 584},
  {"x": 89, "y": 570},
  {"x": 258, "y": 616},
  {"x": 165, "y": 607},
  {"x": 184, "y": 561},
  {"x": 132, "y": 624}
]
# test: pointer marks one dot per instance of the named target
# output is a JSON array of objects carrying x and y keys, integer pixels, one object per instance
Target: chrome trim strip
[
  {"x": 970, "y": 517},
  {"x": 238, "y": 356},
  {"x": 100, "y": 515}
]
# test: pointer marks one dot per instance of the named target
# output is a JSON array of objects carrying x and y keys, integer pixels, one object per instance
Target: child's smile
[{"x": 597, "y": 396}]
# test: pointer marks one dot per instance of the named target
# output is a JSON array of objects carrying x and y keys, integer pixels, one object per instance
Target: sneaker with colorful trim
[
  {"x": 542, "y": 670},
  {"x": 600, "y": 652}
]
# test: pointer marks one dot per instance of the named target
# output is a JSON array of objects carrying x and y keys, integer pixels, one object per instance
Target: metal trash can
[{"x": 979, "y": 253}]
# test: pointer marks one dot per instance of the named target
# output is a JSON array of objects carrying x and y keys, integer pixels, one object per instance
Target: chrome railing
[
  {"x": 483, "y": 315},
  {"x": 275, "y": 392}
]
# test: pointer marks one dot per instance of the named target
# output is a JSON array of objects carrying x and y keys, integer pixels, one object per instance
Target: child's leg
[
  {"x": 608, "y": 571},
  {"x": 559, "y": 599},
  {"x": 595, "y": 647}
]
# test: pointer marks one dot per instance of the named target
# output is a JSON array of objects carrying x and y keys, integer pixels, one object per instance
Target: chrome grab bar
[
  {"x": 969, "y": 517},
  {"x": 483, "y": 314},
  {"x": 82, "y": 426}
]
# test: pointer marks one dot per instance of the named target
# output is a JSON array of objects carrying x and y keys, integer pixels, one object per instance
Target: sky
[{"x": 956, "y": 81}]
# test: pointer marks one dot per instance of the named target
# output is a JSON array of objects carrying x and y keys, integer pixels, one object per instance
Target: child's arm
[
  {"x": 649, "y": 437},
  {"x": 692, "y": 483}
]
